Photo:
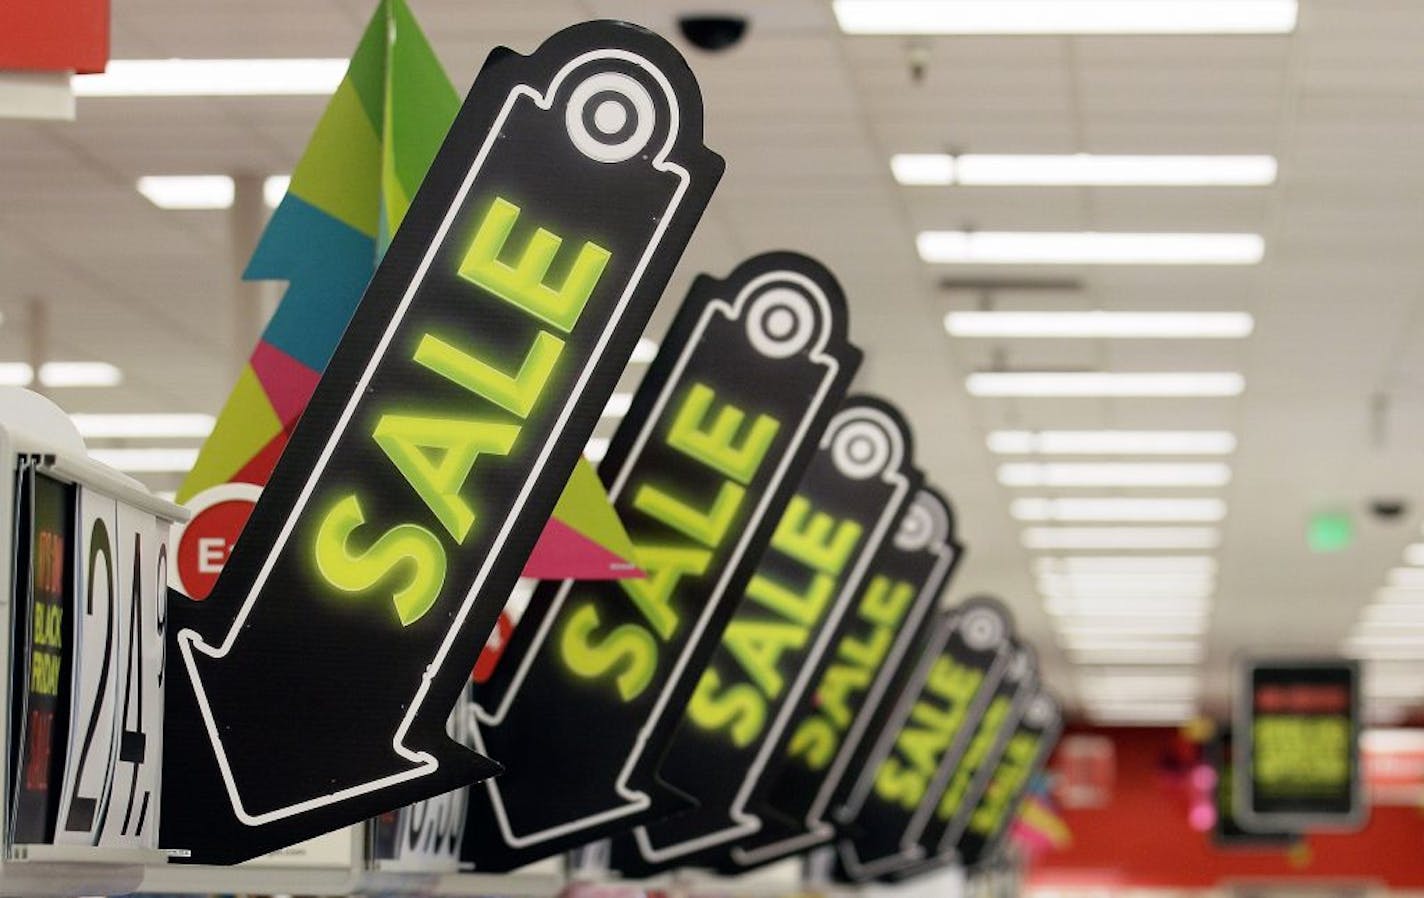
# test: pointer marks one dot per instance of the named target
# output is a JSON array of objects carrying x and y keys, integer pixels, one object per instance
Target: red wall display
[
  {"x": 1142, "y": 837},
  {"x": 54, "y": 35}
]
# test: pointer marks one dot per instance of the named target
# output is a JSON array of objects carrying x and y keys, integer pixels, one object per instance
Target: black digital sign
[
  {"x": 845, "y": 506},
  {"x": 1297, "y": 753},
  {"x": 700, "y": 471},
  {"x": 312, "y": 686}
]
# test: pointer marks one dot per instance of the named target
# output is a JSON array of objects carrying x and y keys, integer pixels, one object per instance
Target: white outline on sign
[
  {"x": 189, "y": 641},
  {"x": 853, "y": 419},
  {"x": 818, "y": 829},
  {"x": 638, "y": 801},
  {"x": 850, "y": 859}
]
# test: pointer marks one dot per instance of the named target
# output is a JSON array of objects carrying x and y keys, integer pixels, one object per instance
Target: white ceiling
[{"x": 807, "y": 119}]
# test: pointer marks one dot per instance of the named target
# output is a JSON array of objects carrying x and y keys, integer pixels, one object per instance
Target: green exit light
[{"x": 1329, "y": 531}]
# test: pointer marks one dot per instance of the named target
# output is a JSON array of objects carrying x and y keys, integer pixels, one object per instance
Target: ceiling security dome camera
[{"x": 713, "y": 33}]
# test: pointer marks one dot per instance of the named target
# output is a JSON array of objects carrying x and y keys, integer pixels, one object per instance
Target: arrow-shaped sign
[
  {"x": 318, "y": 675},
  {"x": 995, "y": 773},
  {"x": 930, "y": 722},
  {"x": 699, "y": 470},
  {"x": 846, "y": 505},
  {"x": 955, "y": 790},
  {"x": 870, "y": 647}
]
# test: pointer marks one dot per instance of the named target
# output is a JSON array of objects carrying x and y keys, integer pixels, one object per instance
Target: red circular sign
[{"x": 206, "y": 543}]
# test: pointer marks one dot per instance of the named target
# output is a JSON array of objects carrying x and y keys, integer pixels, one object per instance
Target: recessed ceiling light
[
  {"x": 16, "y": 374},
  {"x": 1098, "y": 606},
  {"x": 147, "y": 461},
  {"x": 618, "y": 405},
  {"x": 274, "y": 188},
  {"x": 142, "y": 425},
  {"x": 1066, "y": 16},
  {"x": 1087, "y": 248},
  {"x": 80, "y": 374},
  {"x": 1081, "y": 170},
  {"x": 645, "y": 351},
  {"x": 1112, "y": 442},
  {"x": 1090, "y": 538},
  {"x": 1113, "y": 474},
  {"x": 1101, "y": 325},
  {"x": 1407, "y": 576},
  {"x": 1126, "y": 564},
  {"x": 188, "y": 192},
  {"x": 1099, "y": 384},
  {"x": 1118, "y": 509},
  {"x": 213, "y": 78}
]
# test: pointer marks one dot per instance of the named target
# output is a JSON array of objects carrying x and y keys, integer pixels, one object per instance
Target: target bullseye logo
[{"x": 206, "y": 541}]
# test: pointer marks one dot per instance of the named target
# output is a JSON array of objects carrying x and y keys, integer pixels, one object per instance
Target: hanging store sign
[
  {"x": 434, "y": 449},
  {"x": 869, "y": 648},
  {"x": 928, "y": 728},
  {"x": 700, "y": 469},
  {"x": 846, "y": 506}
]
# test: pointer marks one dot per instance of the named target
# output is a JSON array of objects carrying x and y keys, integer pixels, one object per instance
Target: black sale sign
[
  {"x": 1023, "y": 755},
  {"x": 1297, "y": 752},
  {"x": 314, "y": 683},
  {"x": 700, "y": 470},
  {"x": 867, "y": 651},
  {"x": 956, "y": 788},
  {"x": 929, "y": 725},
  {"x": 845, "y": 506}
]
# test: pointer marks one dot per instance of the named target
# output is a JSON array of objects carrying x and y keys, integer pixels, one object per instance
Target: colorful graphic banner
[
  {"x": 434, "y": 449},
  {"x": 349, "y": 193},
  {"x": 846, "y": 505},
  {"x": 700, "y": 470}
]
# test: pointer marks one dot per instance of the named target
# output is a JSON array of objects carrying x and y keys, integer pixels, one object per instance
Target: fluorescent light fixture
[
  {"x": 1098, "y": 629},
  {"x": 618, "y": 405},
  {"x": 645, "y": 351},
  {"x": 1126, "y": 564},
  {"x": 1392, "y": 740},
  {"x": 596, "y": 449},
  {"x": 924, "y": 169},
  {"x": 1399, "y": 595},
  {"x": 1169, "y": 653},
  {"x": 1066, "y": 16},
  {"x": 1113, "y": 474},
  {"x": 1144, "y": 714},
  {"x": 1142, "y": 592},
  {"x": 1112, "y": 442},
  {"x": 16, "y": 374},
  {"x": 1376, "y": 652},
  {"x": 187, "y": 191},
  {"x": 1119, "y": 606},
  {"x": 142, "y": 425},
  {"x": 1098, "y": 384},
  {"x": 213, "y": 78},
  {"x": 1115, "y": 509},
  {"x": 1394, "y": 613},
  {"x": 1091, "y": 538},
  {"x": 80, "y": 374},
  {"x": 1409, "y": 577},
  {"x": 1087, "y": 248},
  {"x": 1149, "y": 681},
  {"x": 147, "y": 461},
  {"x": 1101, "y": 325},
  {"x": 1081, "y": 170},
  {"x": 274, "y": 188}
]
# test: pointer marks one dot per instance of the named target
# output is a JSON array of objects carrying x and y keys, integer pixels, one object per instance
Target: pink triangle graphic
[
  {"x": 288, "y": 383},
  {"x": 563, "y": 553}
]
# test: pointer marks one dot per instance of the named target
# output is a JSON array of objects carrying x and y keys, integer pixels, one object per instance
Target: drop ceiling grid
[{"x": 806, "y": 118}]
